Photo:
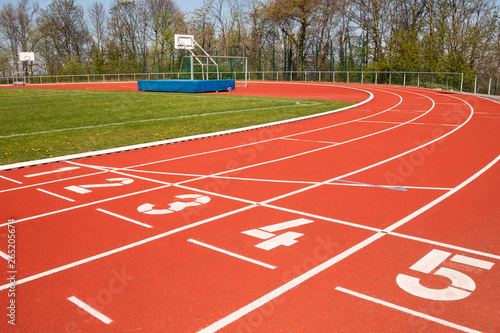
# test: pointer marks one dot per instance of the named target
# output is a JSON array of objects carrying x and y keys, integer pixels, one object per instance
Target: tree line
[{"x": 137, "y": 36}]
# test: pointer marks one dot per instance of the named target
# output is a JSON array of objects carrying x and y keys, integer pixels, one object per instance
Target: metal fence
[{"x": 433, "y": 80}]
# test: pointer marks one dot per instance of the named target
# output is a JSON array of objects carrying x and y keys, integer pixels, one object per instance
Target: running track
[{"x": 382, "y": 218}]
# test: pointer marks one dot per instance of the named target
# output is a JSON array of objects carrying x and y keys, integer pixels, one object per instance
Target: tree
[
  {"x": 98, "y": 24},
  {"x": 17, "y": 26},
  {"x": 64, "y": 34}
]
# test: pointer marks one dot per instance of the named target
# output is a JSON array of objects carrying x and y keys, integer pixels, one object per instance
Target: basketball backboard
[
  {"x": 26, "y": 56},
  {"x": 184, "y": 42}
]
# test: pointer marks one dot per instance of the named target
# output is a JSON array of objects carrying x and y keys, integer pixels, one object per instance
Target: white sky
[{"x": 184, "y": 5}]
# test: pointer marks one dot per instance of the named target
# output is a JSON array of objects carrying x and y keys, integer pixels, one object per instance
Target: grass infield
[{"x": 36, "y": 124}]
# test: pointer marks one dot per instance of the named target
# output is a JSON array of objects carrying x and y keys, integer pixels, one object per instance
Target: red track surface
[{"x": 395, "y": 209}]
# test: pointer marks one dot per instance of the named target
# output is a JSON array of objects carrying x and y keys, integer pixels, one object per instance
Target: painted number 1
[{"x": 461, "y": 286}]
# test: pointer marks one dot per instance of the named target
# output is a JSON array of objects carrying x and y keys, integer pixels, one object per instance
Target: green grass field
[{"x": 36, "y": 124}]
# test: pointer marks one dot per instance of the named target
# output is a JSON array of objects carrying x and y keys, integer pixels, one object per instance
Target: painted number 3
[
  {"x": 196, "y": 200},
  {"x": 461, "y": 284}
]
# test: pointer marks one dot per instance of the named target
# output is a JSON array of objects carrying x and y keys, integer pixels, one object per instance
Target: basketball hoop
[{"x": 26, "y": 56}]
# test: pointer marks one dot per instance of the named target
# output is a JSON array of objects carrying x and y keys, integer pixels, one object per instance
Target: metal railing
[{"x": 433, "y": 80}]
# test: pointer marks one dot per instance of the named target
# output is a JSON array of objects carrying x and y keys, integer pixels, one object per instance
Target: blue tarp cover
[{"x": 186, "y": 86}]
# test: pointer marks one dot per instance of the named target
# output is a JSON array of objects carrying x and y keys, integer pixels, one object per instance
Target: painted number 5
[{"x": 461, "y": 284}]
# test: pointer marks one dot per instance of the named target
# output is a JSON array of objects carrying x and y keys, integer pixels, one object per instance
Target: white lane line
[
  {"x": 278, "y": 138},
  {"x": 301, "y": 140},
  {"x": 406, "y": 310},
  {"x": 280, "y": 180},
  {"x": 55, "y": 195},
  {"x": 86, "y": 205},
  {"x": 449, "y": 246},
  {"x": 124, "y": 218},
  {"x": 52, "y": 181},
  {"x": 232, "y": 254},
  {"x": 441, "y": 198},
  {"x": 396, "y": 122},
  {"x": 284, "y": 288},
  {"x": 383, "y": 161},
  {"x": 90, "y": 310},
  {"x": 126, "y": 247},
  {"x": 150, "y": 120},
  {"x": 11, "y": 180},
  {"x": 51, "y": 172},
  {"x": 221, "y": 323},
  {"x": 193, "y": 137},
  {"x": 4, "y": 255}
]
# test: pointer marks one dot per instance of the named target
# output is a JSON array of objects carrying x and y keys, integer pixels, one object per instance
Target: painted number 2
[
  {"x": 461, "y": 284},
  {"x": 112, "y": 182},
  {"x": 196, "y": 200}
]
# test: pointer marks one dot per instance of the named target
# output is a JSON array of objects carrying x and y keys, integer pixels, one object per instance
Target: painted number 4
[
  {"x": 272, "y": 240},
  {"x": 461, "y": 284}
]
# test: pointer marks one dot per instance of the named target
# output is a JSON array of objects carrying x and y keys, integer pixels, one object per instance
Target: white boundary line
[
  {"x": 381, "y": 162},
  {"x": 221, "y": 323},
  {"x": 4, "y": 255},
  {"x": 124, "y": 218},
  {"x": 406, "y": 310},
  {"x": 394, "y": 122},
  {"x": 318, "y": 269},
  {"x": 55, "y": 195},
  {"x": 90, "y": 310},
  {"x": 305, "y": 182},
  {"x": 87, "y": 204},
  {"x": 53, "y": 181},
  {"x": 454, "y": 247},
  {"x": 126, "y": 247},
  {"x": 188, "y": 138},
  {"x": 255, "y": 304},
  {"x": 148, "y": 120},
  {"x": 232, "y": 254},
  {"x": 9, "y": 179},
  {"x": 441, "y": 198}
]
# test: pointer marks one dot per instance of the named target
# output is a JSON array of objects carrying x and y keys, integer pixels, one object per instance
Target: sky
[{"x": 184, "y": 5}]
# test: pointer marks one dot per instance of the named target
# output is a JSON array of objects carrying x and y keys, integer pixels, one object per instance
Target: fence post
[
  {"x": 475, "y": 84},
  {"x": 316, "y": 64},
  {"x": 361, "y": 62},
  {"x": 331, "y": 61},
  {"x": 489, "y": 87}
]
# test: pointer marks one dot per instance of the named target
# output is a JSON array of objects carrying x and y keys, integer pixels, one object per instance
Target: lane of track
[{"x": 166, "y": 258}]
